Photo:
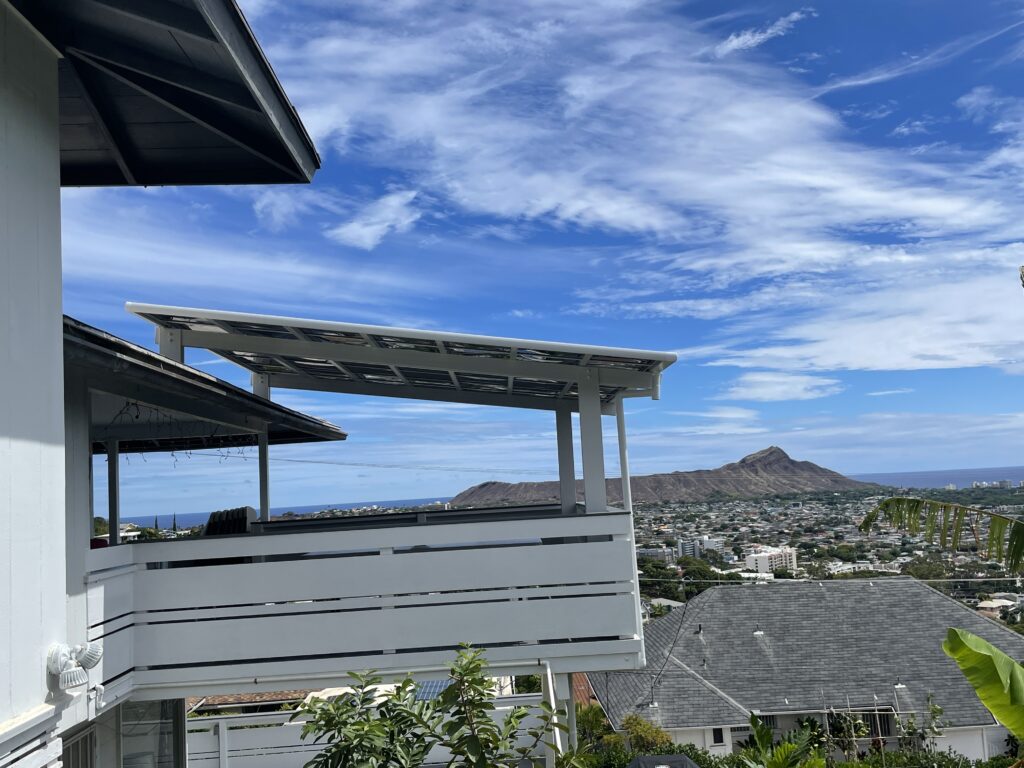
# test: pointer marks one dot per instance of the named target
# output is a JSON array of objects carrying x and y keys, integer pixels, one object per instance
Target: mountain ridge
[{"x": 767, "y": 472}]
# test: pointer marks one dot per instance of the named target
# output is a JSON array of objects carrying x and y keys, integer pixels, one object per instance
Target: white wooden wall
[
  {"x": 31, "y": 372},
  {"x": 300, "y": 616}
]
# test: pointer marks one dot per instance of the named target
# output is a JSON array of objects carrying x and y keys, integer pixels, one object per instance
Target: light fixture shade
[
  {"x": 89, "y": 654},
  {"x": 73, "y": 677}
]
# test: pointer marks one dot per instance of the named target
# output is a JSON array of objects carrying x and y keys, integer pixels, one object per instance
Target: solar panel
[
  {"x": 301, "y": 353},
  {"x": 427, "y": 690}
]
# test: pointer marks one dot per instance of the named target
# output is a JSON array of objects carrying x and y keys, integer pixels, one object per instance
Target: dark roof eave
[{"x": 98, "y": 348}]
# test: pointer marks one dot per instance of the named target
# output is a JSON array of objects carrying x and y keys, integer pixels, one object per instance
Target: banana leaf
[{"x": 997, "y": 679}]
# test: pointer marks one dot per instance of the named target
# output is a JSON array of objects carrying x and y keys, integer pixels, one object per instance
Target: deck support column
[
  {"x": 566, "y": 459},
  {"x": 595, "y": 494},
  {"x": 620, "y": 424},
  {"x": 170, "y": 345},
  {"x": 263, "y": 440},
  {"x": 113, "y": 493},
  {"x": 570, "y": 713}
]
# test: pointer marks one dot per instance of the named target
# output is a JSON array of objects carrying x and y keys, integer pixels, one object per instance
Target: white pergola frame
[{"x": 280, "y": 352}]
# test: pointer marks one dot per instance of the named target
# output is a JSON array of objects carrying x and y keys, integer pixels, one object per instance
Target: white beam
[
  {"x": 595, "y": 494},
  {"x": 436, "y": 394},
  {"x": 261, "y": 385},
  {"x": 620, "y": 424},
  {"x": 113, "y": 493},
  {"x": 169, "y": 343},
  {"x": 566, "y": 460},
  {"x": 264, "y": 465},
  {"x": 348, "y": 353}
]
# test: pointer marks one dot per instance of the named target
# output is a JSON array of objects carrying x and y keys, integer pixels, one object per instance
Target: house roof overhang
[
  {"x": 149, "y": 403},
  {"x": 157, "y": 92},
  {"x": 374, "y": 360}
]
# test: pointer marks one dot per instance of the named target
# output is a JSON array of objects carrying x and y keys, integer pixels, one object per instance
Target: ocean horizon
[
  {"x": 190, "y": 519},
  {"x": 940, "y": 478}
]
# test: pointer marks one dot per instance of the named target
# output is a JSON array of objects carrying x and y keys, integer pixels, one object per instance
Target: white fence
[
  {"x": 297, "y": 610},
  {"x": 273, "y": 741}
]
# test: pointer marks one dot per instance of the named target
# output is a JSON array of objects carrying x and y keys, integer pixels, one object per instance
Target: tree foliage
[
  {"x": 370, "y": 727},
  {"x": 997, "y": 536},
  {"x": 997, "y": 679}
]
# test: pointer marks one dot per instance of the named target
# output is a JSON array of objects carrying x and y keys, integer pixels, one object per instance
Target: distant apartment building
[
  {"x": 950, "y": 486},
  {"x": 697, "y": 547},
  {"x": 770, "y": 559},
  {"x": 664, "y": 554}
]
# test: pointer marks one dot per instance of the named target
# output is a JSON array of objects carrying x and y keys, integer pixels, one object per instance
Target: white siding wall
[
  {"x": 703, "y": 738},
  {"x": 32, "y": 613}
]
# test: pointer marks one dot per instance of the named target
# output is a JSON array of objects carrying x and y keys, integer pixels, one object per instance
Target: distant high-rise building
[
  {"x": 950, "y": 486},
  {"x": 697, "y": 547},
  {"x": 770, "y": 559}
]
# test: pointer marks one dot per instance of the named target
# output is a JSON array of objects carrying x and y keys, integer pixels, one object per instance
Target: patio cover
[
  {"x": 194, "y": 411},
  {"x": 400, "y": 362},
  {"x": 167, "y": 92}
]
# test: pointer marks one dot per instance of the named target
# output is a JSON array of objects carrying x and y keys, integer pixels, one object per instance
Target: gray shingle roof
[{"x": 824, "y": 644}]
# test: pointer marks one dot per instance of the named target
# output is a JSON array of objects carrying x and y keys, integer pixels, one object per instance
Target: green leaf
[{"x": 997, "y": 679}]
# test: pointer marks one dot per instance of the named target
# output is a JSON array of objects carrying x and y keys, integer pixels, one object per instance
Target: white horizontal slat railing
[
  {"x": 273, "y": 740},
  {"x": 296, "y": 610}
]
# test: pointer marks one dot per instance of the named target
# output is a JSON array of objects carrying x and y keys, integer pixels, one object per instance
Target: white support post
[
  {"x": 595, "y": 494},
  {"x": 169, "y": 342},
  {"x": 261, "y": 385},
  {"x": 113, "y": 493},
  {"x": 222, "y": 744},
  {"x": 264, "y": 462},
  {"x": 571, "y": 713},
  {"x": 620, "y": 424},
  {"x": 566, "y": 460}
]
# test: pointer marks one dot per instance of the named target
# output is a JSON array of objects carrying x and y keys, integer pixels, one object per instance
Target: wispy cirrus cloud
[
  {"x": 912, "y": 64},
  {"x": 752, "y": 38},
  {"x": 768, "y": 386},
  {"x": 394, "y": 212},
  {"x": 889, "y": 392}
]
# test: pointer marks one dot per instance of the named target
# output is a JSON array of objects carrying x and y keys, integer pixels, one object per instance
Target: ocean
[
  {"x": 189, "y": 519},
  {"x": 940, "y": 478}
]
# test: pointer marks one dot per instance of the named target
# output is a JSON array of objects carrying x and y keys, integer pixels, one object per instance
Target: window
[
  {"x": 80, "y": 750},
  {"x": 770, "y": 720},
  {"x": 153, "y": 734},
  {"x": 717, "y": 736},
  {"x": 879, "y": 724}
]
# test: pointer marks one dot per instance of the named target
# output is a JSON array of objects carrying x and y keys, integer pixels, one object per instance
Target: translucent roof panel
[{"x": 367, "y": 359}]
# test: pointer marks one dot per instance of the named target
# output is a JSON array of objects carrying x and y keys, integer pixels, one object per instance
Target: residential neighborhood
[{"x": 553, "y": 384}]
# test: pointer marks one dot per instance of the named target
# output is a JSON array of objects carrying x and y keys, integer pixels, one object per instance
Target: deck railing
[
  {"x": 273, "y": 740},
  {"x": 299, "y": 609}
]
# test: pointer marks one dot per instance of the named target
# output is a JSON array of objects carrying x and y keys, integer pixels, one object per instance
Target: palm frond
[{"x": 1004, "y": 541}]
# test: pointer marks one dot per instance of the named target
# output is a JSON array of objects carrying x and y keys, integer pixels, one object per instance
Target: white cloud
[
  {"x": 722, "y": 412},
  {"x": 768, "y": 386},
  {"x": 393, "y": 212},
  {"x": 752, "y": 38},
  {"x": 912, "y": 64},
  {"x": 888, "y": 392}
]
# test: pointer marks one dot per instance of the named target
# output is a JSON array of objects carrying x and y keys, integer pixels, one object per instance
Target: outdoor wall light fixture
[{"x": 68, "y": 663}]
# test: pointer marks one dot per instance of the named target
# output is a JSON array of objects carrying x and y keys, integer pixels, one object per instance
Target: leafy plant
[
  {"x": 1000, "y": 537},
  {"x": 796, "y": 750},
  {"x": 366, "y": 727},
  {"x": 645, "y": 737},
  {"x": 997, "y": 679}
]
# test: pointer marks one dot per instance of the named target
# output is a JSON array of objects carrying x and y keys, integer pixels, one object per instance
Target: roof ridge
[{"x": 711, "y": 686}]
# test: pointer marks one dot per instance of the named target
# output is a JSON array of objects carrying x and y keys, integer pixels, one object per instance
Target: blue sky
[{"x": 818, "y": 206}]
